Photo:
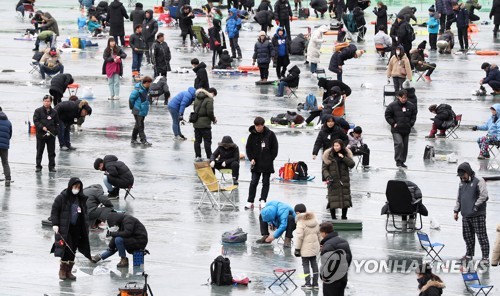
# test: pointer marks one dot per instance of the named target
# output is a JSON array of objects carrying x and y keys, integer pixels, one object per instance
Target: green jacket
[{"x": 206, "y": 111}]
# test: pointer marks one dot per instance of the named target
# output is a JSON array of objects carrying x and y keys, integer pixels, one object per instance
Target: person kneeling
[
  {"x": 130, "y": 237},
  {"x": 280, "y": 217},
  {"x": 227, "y": 156}
]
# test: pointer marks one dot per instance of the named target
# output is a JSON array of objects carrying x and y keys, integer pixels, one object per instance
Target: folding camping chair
[
  {"x": 400, "y": 203},
  {"x": 321, "y": 73},
  {"x": 432, "y": 249},
  {"x": 381, "y": 50},
  {"x": 28, "y": 8},
  {"x": 474, "y": 277},
  {"x": 472, "y": 44},
  {"x": 451, "y": 131},
  {"x": 73, "y": 89},
  {"x": 419, "y": 74},
  {"x": 127, "y": 192},
  {"x": 218, "y": 196},
  {"x": 494, "y": 150},
  {"x": 389, "y": 92},
  {"x": 202, "y": 41},
  {"x": 282, "y": 276},
  {"x": 291, "y": 91},
  {"x": 360, "y": 157}
]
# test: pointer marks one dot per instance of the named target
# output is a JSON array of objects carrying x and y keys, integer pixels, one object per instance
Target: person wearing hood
[
  {"x": 358, "y": 147},
  {"x": 150, "y": 28},
  {"x": 326, "y": 85},
  {"x": 160, "y": 56},
  {"x": 283, "y": 15},
  {"x": 225, "y": 61},
  {"x": 408, "y": 13},
  {"x": 444, "y": 119},
  {"x": 139, "y": 47},
  {"x": 50, "y": 63},
  {"x": 265, "y": 5},
  {"x": 70, "y": 226},
  {"x": 280, "y": 217},
  {"x": 186, "y": 24},
  {"x": 332, "y": 243},
  {"x": 381, "y": 12},
  {"x": 112, "y": 67},
  {"x": 200, "y": 69},
  {"x": 46, "y": 121},
  {"x": 307, "y": 239},
  {"x": 337, "y": 160},
  {"x": 131, "y": 236},
  {"x": 314, "y": 47},
  {"x": 69, "y": 112},
  {"x": 265, "y": 19},
  {"x": 49, "y": 23},
  {"x": 281, "y": 45},
  {"x": 433, "y": 27},
  {"x": 401, "y": 116},
  {"x": 492, "y": 126},
  {"x": 462, "y": 20},
  {"x": 403, "y": 34},
  {"x": 204, "y": 106},
  {"x": 137, "y": 15},
  {"x": 227, "y": 156},
  {"x": 418, "y": 61},
  {"x": 329, "y": 132},
  {"x": 471, "y": 204},
  {"x": 298, "y": 45},
  {"x": 446, "y": 42},
  {"x": 176, "y": 107},
  {"x": 429, "y": 284},
  {"x": 5, "y": 135},
  {"x": 336, "y": 99},
  {"x": 399, "y": 68},
  {"x": 261, "y": 149},
  {"x": 233, "y": 26},
  {"x": 159, "y": 87},
  {"x": 338, "y": 59},
  {"x": 116, "y": 175},
  {"x": 58, "y": 86},
  {"x": 291, "y": 80},
  {"x": 115, "y": 18},
  {"x": 492, "y": 77},
  {"x": 495, "y": 12},
  {"x": 98, "y": 205},
  {"x": 139, "y": 104},
  {"x": 217, "y": 42},
  {"x": 319, "y": 6},
  {"x": 262, "y": 54}
]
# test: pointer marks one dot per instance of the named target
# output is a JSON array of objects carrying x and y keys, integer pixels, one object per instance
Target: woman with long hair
[
  {"x": 337, "y": 161},
  {"x": 429, "y": 284},
  {"x": 113, "y": 67}
]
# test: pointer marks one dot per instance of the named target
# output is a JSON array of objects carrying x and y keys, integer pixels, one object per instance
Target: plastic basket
[{"x": 138, "y": 258}]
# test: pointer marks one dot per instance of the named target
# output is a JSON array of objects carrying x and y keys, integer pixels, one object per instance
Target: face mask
[
  {"x": 398, "y": 52},
  {"x": 75, "y": 191},
  {"x": 421, "y": 281}
]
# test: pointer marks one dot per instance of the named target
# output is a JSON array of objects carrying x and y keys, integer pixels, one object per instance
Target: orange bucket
[{"x": 158, "y": 9}]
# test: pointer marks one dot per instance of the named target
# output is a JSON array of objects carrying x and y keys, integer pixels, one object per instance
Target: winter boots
[
  {"x": 262, "y": 240},
  {"x": 123, "y": 262},
  {"x": 287, "y": 243},
  {"x": 115, "y": 194},
  {"x": 65, "y": 268},
  {"x": 96, "y": 258}
]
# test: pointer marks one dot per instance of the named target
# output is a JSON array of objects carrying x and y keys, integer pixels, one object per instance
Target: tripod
[{"x": 146, "y": 287}]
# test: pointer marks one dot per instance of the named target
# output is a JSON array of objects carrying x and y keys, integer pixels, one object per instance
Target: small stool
[
  {"x": 127, "y": 192},
  {"x": 282, "y": 275},
  {"x": 73, "y": 89},
  {"x": 138, "y": 256}
]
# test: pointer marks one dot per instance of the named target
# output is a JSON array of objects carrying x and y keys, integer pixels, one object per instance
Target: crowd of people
[{"x": 77, "y": 209}]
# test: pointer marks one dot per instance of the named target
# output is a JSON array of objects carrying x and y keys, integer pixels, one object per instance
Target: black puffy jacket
[
  {"x": 133, "y": 232},
  {"x": 340, "y": 57},
  {"x": 60, "y": 215},
  {"x": 333, "y": 242},
  {"x": 185, "y": 20},
  {"x": 68, "y": 111},
  {"x": 293, "y": 78},
  {"x": 264, "y": 6},
  {"x": 263, "y": 52},
  {"x": 263, "y": 148},
  {"x": 404, "y": 115},
  {"x": 116, "y": 13},
  {"x": 282, "y": 10},
  {"x": 328, "y": 84},
  {"x": 298, "y": 45},
  {"x": 264, "y": 17},
  {"x": 98, "y": 204},
  {"x": 60, "y": 82},
  {"x": 201, "y": 80},
  {"x": 226, "y": 151},
  {"x": 137, "y": 17},
  {"x": 161, "y": 56},
  {"x": 326, "y": 136},
  {"x": 444, "y": 113},
  {"x": 46, "y": 118},
  {"x": 149, "y": 27},
  {"x": 319, "y": 5},
  {"x": 119, "y": 175}
]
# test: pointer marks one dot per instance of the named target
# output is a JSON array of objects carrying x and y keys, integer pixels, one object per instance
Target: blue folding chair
[
  {"x": 432, "y": 249},
  {"x": 473, "y": 277}
]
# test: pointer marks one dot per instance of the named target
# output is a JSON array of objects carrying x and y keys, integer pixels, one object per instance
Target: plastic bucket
[
  {"x": 83, "y": 43},
  {"x": 75, "y": 42}
]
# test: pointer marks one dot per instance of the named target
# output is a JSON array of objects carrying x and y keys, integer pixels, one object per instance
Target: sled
[
  {"x": 269, "y": 82},
  {"x": 309, "y": 178}
]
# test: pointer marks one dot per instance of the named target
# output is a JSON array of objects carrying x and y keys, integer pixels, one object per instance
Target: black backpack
[
  {"x": 220, "y": 272},
  {"x": 300, "y": 171},
  {"x": 410, "y": 32}
]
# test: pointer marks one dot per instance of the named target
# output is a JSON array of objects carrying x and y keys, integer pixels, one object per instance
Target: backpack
[
  {"x": 311, "y": 103},
  {"x": 340, "y": 46},
  {"x": 234, "y": 236},
  {"x": 300, "y": 171},
  {"x": 410, "y": 32},
  {"x": 220, "y": 272},
  {"x": 287, "y": 171}
]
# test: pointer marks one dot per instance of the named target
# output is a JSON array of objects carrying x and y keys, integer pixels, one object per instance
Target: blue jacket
[
  {"x": 280, "y": 43},
  {"x": 493, "y": 124},
  {"x": 182, "y": 100},
  {"x": 233, "y": 24},
  {"x": 433, "y": 25},
  {"x": 276, "y": 213},
  {"x": 93, "y": 25},
  {"x": 138, "y": 100},
  {"x": 5, "y": 131}
]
